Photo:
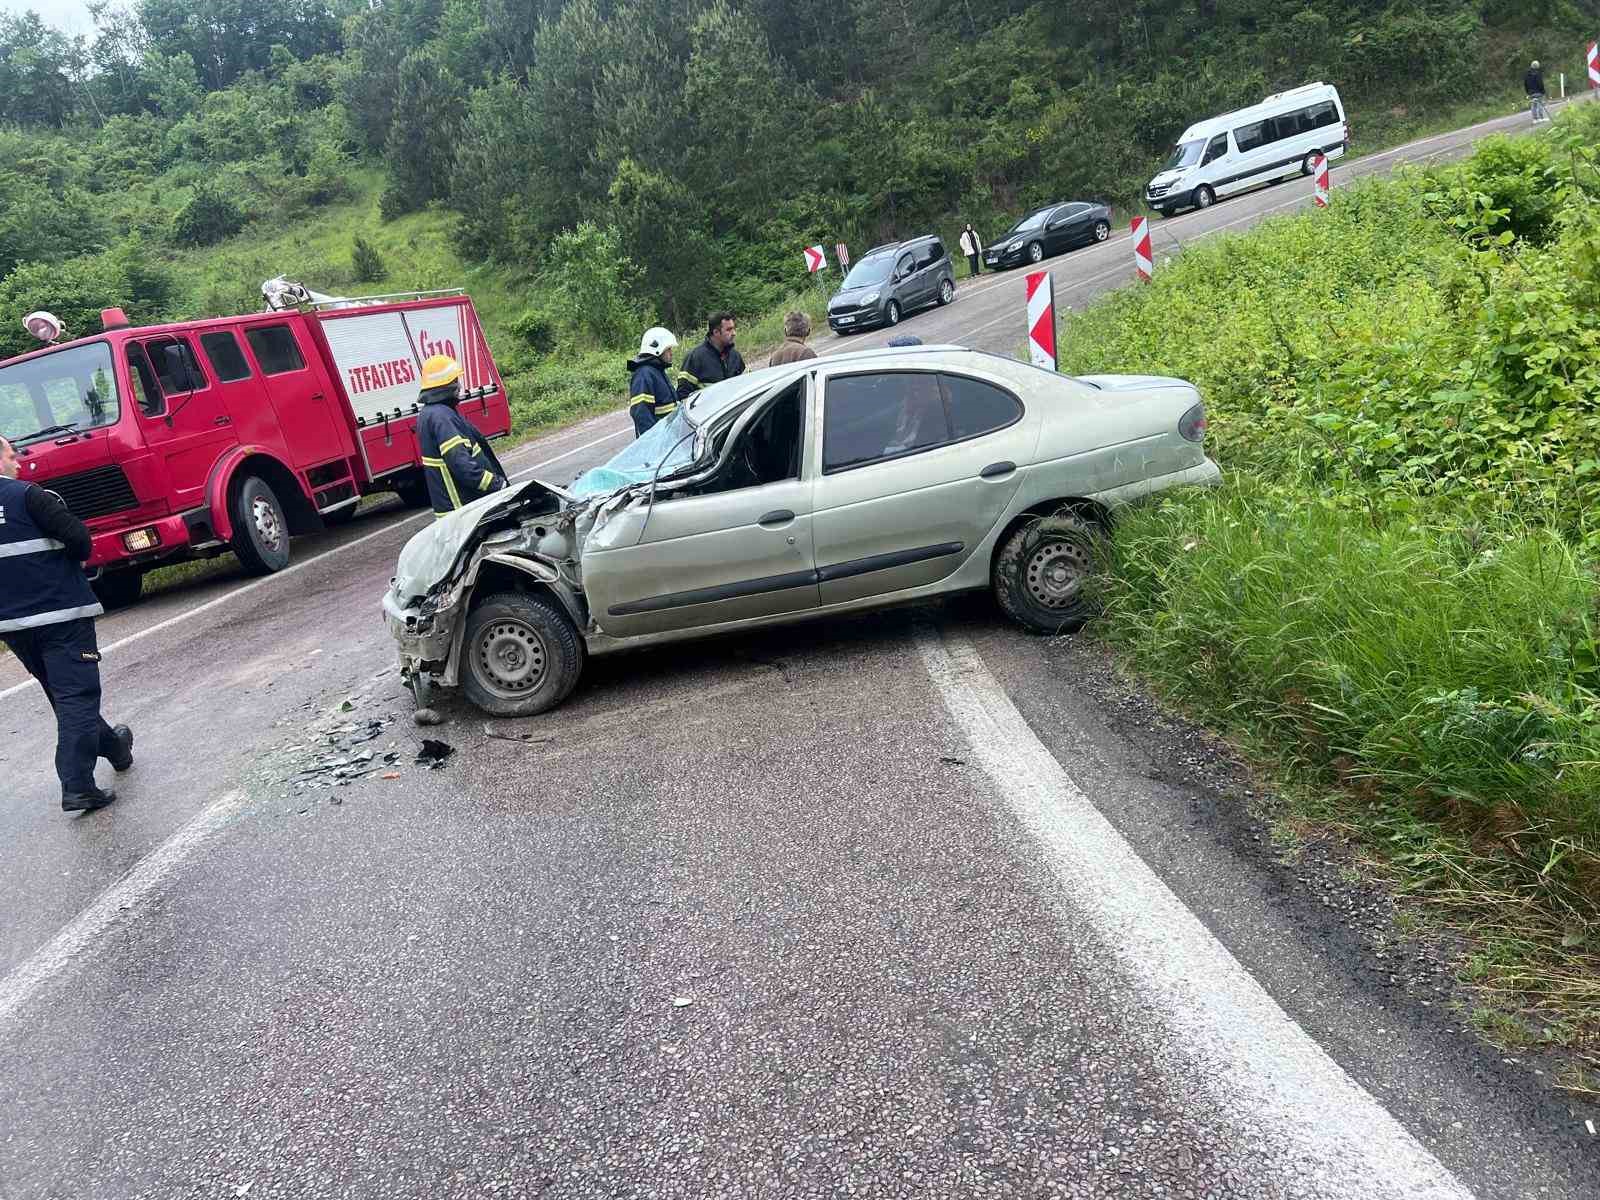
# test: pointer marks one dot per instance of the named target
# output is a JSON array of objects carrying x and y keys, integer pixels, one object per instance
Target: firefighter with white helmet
[
  {"x": 456, "y": 459},
  {"x": 651, "y": 397}
]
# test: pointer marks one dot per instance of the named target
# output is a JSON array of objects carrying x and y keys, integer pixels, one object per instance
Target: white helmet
[{"x": 657, "y": 341}]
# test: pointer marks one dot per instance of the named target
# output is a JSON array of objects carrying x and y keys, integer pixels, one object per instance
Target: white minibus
[{"x": 1264, "y": 143}]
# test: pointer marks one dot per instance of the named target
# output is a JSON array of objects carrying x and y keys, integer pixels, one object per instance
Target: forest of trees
[{"x": 695, "y": 143}]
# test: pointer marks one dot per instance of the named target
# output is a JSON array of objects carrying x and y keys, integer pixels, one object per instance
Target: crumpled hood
[{"x": 432, "y": 552}]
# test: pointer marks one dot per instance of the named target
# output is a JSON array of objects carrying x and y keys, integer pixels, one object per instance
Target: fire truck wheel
[
  {"x": 118, "y": 589},
  {"x": 412, "y": 490},
  {"x": 520, "y": 656},
  {"x": 260, "y": 530}
]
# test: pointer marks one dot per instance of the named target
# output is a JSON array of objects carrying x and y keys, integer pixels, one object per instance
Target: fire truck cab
[{"x": 237, "y": 433}]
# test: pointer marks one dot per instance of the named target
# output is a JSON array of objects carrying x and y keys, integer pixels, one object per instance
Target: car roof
[{"x": 1299, "y": 97}]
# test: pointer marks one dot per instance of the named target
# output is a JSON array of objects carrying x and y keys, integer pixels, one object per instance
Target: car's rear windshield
[{"x": 869, "y": 270}]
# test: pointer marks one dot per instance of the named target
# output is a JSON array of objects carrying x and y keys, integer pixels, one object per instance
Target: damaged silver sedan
[{"x": 811, "y": 490}]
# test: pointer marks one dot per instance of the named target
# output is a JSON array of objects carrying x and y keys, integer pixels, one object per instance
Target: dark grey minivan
[{"x": 890, "y": 281}]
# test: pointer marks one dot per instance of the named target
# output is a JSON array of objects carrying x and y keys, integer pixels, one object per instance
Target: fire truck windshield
[{"x": 70, "y": 389}]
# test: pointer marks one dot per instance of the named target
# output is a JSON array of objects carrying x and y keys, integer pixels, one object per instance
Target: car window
[
  {"x": 275, "y": 349},
  {"x": 1249, "y": 137},
  {"x": 174, "y": 365},
  {"x": 870, "y": 418},
  {"x": 1320, "y": 115},
  {"x": 906, "y": 265},
  {"x": 976, "y": 407},
  {"x": 929, "y": 254},
  {"x": 146, "y": 392},
  {"x": 227, "y": 360},
  {"x": 1217, "y": 148}
]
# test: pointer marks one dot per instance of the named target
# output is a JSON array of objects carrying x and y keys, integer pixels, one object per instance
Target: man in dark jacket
[
  {"x": 713, "y": 360},
  {"x": 650, "y": 394},
  {"x": 1533, "y": 84},
  {"x": 456, "y": 459},
  {"x": 47, "y": 613}
]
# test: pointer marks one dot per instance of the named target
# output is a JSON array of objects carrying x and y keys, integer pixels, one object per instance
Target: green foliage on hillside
[{"x": 712, "y": 138}]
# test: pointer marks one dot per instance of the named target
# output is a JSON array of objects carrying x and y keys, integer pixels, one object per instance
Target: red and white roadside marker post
[
  {"x": 1042, "y": 320},
  {"x": 816, "y": 259},
  {"x": 843, "y": 253},
  {"x": 1592, "y": 56},
  {"x": 1143, "y": 260},
  {"x": 1319, "y": 172}
]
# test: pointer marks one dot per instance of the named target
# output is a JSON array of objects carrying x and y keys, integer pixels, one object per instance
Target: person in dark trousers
[
  {"x": 456, "y": 459},
  {"x": 47, "y": 612},
  {"x": 972, "y": 247},
  {"x": 1533, "y": 84},
  {"x": 713, "y": 360},
  {"x": 650, "y": 394}
]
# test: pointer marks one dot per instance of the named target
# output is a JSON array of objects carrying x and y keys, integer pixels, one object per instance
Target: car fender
[{"x": 221, "y": 483}]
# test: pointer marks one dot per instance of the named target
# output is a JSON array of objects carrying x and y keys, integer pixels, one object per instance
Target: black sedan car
[{"x": 1049, "y": 230}]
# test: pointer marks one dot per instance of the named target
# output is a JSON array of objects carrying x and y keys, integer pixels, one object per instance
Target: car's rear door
[
  {"x": 741, "y": 550},
  {"x": 916, "y": 466}
]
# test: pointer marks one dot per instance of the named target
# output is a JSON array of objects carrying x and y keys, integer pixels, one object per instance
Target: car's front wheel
[
  {"x": 1042, "y": 573},
  {"x": 1204, "y": 197},
  {"x": 260, "y": 529},
  {"x": 520, "y": 656},
  {"x": 891, "y": 313},
  {"x": 1035, "y": 252}
]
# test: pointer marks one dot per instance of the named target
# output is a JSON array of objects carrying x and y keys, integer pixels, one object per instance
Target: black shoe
[
  {"x": 124, "y": 760},
  {"x": 88, "y": 801}
]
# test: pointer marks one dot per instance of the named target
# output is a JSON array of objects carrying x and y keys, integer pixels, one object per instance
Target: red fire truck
[{"x": 236, "y": 433}]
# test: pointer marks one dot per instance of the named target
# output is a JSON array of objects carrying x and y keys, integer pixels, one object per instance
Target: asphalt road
[{"x": 906, "y": 905}]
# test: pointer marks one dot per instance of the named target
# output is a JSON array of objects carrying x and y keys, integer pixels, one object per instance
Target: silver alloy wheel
[
  {"x": 1204, "y": 197},
  {"x": 267, "y": 522},
  {"x": 1035, "y": 252},
  {"x": 947, "y": 291},
  {"x": 892, "y": 312},
  {"x": 510, "y": 658},
  {"x": 1310, "y": 164},
  {"x": 1056, "y": 572},
  {"x": 1102, "y": 231}
]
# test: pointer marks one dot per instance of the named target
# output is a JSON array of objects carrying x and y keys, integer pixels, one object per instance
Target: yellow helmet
[{"x": 440, "y": 370}]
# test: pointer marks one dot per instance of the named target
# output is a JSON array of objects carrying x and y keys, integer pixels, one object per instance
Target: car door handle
[
  {"x": 998, "y": 470},
  {"x": 778, "y": 516},
  {"x": 223, "y": 421}
]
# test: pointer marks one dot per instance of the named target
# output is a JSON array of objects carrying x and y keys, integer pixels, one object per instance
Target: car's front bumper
[
  {"x": 862, "y": 318},
  {"x": 996, "y": 259}
]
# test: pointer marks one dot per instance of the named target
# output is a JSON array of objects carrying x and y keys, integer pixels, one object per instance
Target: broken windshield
[
  {"x": 666, "y": 445},
  {"x": 73, "y": 388}
]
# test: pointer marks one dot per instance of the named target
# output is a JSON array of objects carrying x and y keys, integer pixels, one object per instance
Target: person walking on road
[
  {"x": 456, "y": 459},
  {"x": 650, "y": 394},
  {"x": 972, "y": 247},
  {"x": 1533, "y": 84},
  {"x": 713, "y": 360},
  {"x": 796, "y": 329},
  {"x": 47, "y": 612}
]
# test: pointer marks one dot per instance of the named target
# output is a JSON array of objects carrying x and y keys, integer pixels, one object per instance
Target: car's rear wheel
[
  {"x": 1204, "y": 197},
  {"x": 891, "y": 312},
  {"x": 260, "y": 528},
  {"x": 1102, "y": 230},
  {"x": 1043, "y": 571},
  {"x": 520, "y": 655},
  {"x": 118, "y": 589},
  {"x": 1035, "y": 252},
  {"x": 947, "y": 291},
  {"x": 1309, "y": 166}
]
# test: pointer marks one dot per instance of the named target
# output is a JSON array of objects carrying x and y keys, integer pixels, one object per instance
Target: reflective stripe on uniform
[
  {"x": 685, "y": 377},
  {"x": 646, "y": 398},
  {"x": 486, "y": 482},
  {"x": 438, "y": 464},
  {"x": 31, "y": 546},
  {"x": 666, "y": 410},
  {"x": 51, "y": 618},
  {"x": 458, "y": 440}
]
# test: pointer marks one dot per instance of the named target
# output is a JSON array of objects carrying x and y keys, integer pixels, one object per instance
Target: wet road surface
[{"x": 910, "y": 904}]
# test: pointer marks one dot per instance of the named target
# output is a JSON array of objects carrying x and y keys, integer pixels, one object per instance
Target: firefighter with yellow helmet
[{"x": 456, "y": 459}]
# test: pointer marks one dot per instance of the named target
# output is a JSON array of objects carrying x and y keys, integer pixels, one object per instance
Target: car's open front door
[{"x": 733, "y": 545}]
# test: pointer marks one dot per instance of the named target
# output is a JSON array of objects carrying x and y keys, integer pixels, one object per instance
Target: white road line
[
  {"x": 117, "y": 904},
  {"x": 1244, "y": 1048},
  {"x": 293, "y": 568}
]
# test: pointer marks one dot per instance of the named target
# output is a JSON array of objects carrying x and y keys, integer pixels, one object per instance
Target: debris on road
[
  {"x": 427, "y": 716},
  {"x": 681, "y": 1001},
  {"x": 434, "y": 754}
]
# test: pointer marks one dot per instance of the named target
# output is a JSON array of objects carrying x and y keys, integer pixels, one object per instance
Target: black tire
[
  {"x": 1102, "y": 230},
  {"x": 947, "y": 291},
  {"x": 520, "y": 656},
  {"x": 1164, "y": 213},
  {"x": 1041, "y": 572},
  {"x": 412, "y": 489},
  {"x": 118, "y": 589},
  {"x": 891, "y": 313},
  {"x": 260, "y": 528},
  {"x": 1035, "y": 252},
  {"x": 1309, "y": 166},
  {"x": 1204, "y": 197}
]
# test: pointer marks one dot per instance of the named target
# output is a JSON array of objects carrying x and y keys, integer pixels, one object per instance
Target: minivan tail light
[{"x": 1192, "y": 425}]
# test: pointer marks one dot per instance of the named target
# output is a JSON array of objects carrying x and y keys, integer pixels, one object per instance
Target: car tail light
[
  {"x": 1347, "y": 133},
  {"x": 1192, "y": 425}
]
